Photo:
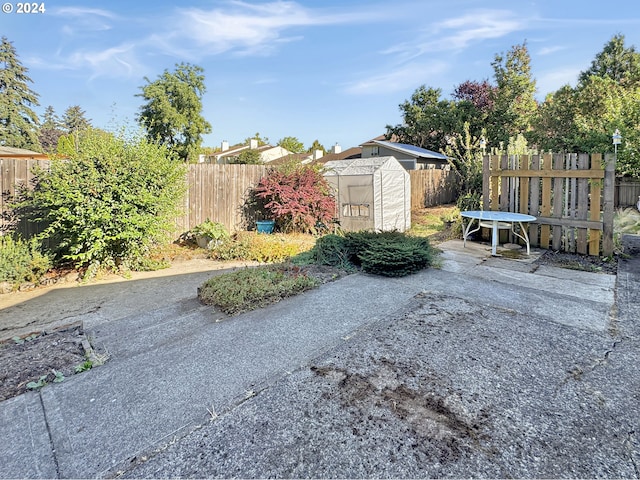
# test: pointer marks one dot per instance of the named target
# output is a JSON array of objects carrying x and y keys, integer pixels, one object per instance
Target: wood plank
[
  {"x": 495, "y": 183},
  {"x": 553, "y": 173},
  {"x": 595, "y": 187},
  {"x": 504, "y": 185},
  {"x": 534, "y": 201},
  {"x": 558, "y": 201},
  {"x": 582, "y": 202},
  {"x": 568, "y": 222},
  {"x": 545, "y": 208},
  {"x": 573, "y": 186},
  {"x": 608, "y": 208},
  {"x": 486, "y": 182}
]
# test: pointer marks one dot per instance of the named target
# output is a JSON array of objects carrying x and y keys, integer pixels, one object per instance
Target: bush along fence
[{"x": 571, "y": 195}]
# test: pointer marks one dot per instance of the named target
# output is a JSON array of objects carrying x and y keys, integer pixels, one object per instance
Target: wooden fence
[
  {"x": 16, "y": 173},
  {"x": 218, "y": 193},
  {"x": 571, "y": 195},
  {"x": 627, "y": 192},
  {"x": 431, "y": 187}
]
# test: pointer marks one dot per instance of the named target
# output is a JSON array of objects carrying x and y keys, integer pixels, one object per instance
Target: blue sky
[{"x": 335, "y": 71}]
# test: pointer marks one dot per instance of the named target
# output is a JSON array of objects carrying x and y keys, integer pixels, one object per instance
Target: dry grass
[{"x": 430, "y": 222}]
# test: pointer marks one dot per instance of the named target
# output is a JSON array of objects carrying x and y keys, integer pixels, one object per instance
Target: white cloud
[
  {"x": 255, "y": 29},
  {"x": 119, "y": 61},
  {"x": 550, "y": 50},
  {"x": 399, "y": 78},
  {"x": 460, "y": 32},
  {"x": 84, "y": 19}
]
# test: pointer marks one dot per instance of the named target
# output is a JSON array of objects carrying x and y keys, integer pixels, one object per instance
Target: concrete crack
[
  {"x": 629, "y": 445},
  {"x": 53, "y": 447}
]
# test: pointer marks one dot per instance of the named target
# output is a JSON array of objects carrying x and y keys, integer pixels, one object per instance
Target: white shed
[{"x": 371, "y": 193}]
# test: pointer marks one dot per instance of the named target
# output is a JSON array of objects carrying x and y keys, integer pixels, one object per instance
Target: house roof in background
[
  {"x": 349, "y": 153},
  {"x": 11, "y": 152},
  {"x": 409, "y": 149}
]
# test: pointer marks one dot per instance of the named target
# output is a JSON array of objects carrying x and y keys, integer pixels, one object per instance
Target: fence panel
[
  {"x": 218, "y": 193},
  {"x": 572, "y": 200},
  {"x": 14, "y": 174},
  {"x": 627, "y": 192},
  {"x": 431, "y": 187}
]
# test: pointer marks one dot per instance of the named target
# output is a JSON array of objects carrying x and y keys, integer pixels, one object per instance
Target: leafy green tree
[
  {"x": 316, "y": 145},
  {"x": 107, "y": 202},
  {"x": 427, "y": 120},
  {"x": 172, "y": 112},
  {"x": 514, "y": 97},
  {"x": 292, "y": 144},
  {"x": 554, "y": 127},
  {"x": 50, "y": 130},
  {"x": 617, "y": 62},
  {"x": 475, "y": 102},
  {"x": 248, "y": 156},
  {"x": 261, "y": 140},
  {"x": 18, "y": 121},
  {"x": 74, "y": 120},
  {"x": 464, "y": 153}
]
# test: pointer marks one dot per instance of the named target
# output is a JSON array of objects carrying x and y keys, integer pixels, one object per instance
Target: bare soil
[
  {"x": 575, "y": 261},
  {"x": 24, "y": 360}
]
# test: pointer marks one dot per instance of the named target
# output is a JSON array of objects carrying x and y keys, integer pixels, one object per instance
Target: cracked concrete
[{"x": 482, "y": 368}]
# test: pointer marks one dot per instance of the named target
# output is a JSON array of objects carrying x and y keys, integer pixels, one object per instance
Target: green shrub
[
  {"x": 212, "y": 230},
  {"x": 333, "y": 250},
  {"x": 107, "y": 202},
  {"x": 21, "y": 261},
  {"x": 393, "y": 258},
  {"x": 252, "y": 288},
  {"x": 390, "y": 254}
]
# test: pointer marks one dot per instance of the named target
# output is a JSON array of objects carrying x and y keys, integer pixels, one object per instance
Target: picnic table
[{"x": 497, "y": 221}]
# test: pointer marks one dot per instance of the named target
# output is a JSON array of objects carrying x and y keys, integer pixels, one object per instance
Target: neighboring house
[
  {"x": 268, "y": 153},
  {"x": 410, "y": 156},
  {"x": 337, "y": 154},
  {"x": 10, "y": 152}
]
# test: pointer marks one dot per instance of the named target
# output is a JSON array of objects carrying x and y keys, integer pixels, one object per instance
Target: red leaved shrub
[{"x": 298, "y": 199}]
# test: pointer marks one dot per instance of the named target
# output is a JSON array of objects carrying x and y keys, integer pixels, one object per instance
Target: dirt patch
[
  {"x": 387, "y": 392},
  {"x": 575, "y": 261},
  {"x": 52, "y": 355}
]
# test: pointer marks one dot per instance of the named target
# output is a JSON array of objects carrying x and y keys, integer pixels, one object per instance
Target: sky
[{"x": 332, "y": 71}]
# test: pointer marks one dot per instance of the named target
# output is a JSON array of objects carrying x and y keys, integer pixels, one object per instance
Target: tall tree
[
  {"x": 428, "y": 120},
  {"x": 50, "y": 130},
  {"x": 316, "y": 145},
  {"x": 74, "y": 120},
  {"x": 514, "y": 96},
  {"x": 292, "y": 144},
  {"x": 617, "y": 62},
  {"x": 172, "y": 112},
  {"x": 18, "y": 121}
]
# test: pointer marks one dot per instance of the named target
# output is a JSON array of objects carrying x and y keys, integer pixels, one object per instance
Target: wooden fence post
[{"x": 608, "y": 207}]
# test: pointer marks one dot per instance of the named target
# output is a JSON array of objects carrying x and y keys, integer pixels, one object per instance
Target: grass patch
[
  {"x": 252, "y": 288},
  {"x": 437, "y": 223}
]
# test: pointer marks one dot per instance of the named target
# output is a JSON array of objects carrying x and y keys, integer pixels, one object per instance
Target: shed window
[{"x": 355, "y": 209}]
